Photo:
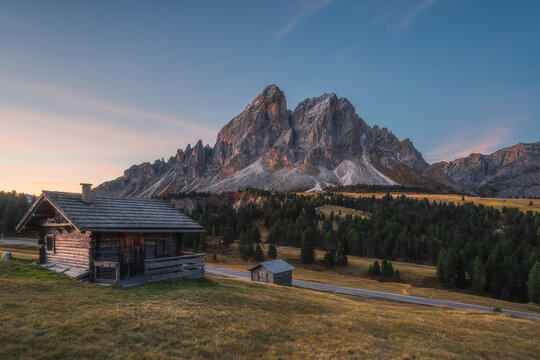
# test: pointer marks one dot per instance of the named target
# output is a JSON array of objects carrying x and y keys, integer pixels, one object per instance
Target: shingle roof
[
  {"x": 118, "y": 213},
  {"x": 275, "y": 266}
]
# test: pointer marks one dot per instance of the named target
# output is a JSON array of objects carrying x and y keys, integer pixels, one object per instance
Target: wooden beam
[
  {"x": 56, "y": 225},
  {"x": 38, "y": 214}
]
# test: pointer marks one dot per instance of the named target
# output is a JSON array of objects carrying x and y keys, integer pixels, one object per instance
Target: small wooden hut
[
  {"x": 112, "y": 239},
  {"x": 277, "y": 272}
]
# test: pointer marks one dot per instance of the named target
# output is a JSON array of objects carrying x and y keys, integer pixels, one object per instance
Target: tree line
[
  {"x": 13, "y": 206},
  {"x": 493, "y": 251},
  {"x": 230, "y": 224}
]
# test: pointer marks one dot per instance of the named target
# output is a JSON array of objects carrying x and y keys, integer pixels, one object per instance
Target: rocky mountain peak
[
  {"x": 511, "y": 171},
  {"x": 321, "y": 143}
]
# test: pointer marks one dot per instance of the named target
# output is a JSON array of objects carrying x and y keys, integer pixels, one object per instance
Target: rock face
[
  {"x": 322, "y": 143},
  {"x": 509, "y": 172}
]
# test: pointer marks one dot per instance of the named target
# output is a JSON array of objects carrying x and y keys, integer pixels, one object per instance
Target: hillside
[{"x": 213, "y": 318}]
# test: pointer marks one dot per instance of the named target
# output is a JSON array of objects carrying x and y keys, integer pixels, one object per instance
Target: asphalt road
[
  {"x": 13, "y": 241},
  {"x": 368, "y": 293}
]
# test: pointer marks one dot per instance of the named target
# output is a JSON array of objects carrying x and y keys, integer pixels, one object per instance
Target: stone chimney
[{"x": 86, "y": 193}]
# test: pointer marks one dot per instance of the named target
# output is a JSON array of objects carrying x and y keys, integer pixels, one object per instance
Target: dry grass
[
  {"x": 416, "y": 280},
  {"x": 28, "y": 252},
  {"x": 342, "y": 211},
  {"x": 499, "y": 203},
  {"x": 47, "y": 316}
]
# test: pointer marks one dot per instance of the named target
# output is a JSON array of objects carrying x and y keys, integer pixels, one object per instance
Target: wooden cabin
[
  {"x": 277, "y": 272},
  {"x": 108, "y": 239}
]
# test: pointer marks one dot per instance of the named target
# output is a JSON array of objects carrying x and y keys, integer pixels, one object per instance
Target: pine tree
[
  {"x": 272, "y": 251},
  {"x": 202, "y": 243},
  {"x": 228, "y": 236},
  {"x": 397, "y": 277},
  {"x": 495, "y": 272},
  {"x": 243, "y": 246},
  {"x": 387, "y": 269},
  {"x": 259, "y": 256},
  {"x": 342, "y": 257},
  {"x": 478, "y": 276},
  {"x": 250, "y": 249},
  {"x": 376, "y": 268},
  {"x": 447, "y": 267},
  {"x": 255, "y": 234},
  {"x": 533, "y": 283},
  {"x": 328, "y": 261},
  {"x": 370, "y": 270},
  {"x": 195, "y": 245},
  {"x": 307, "y": 248}
]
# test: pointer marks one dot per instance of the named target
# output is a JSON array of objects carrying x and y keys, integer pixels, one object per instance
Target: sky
[{"x": 88, "y": 88}]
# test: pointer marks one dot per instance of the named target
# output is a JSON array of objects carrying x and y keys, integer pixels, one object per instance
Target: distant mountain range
[
  {"x": 509, "y": 172},
  {"x": 322, "y": 143}
]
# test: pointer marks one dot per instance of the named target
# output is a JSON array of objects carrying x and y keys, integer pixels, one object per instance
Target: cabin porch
[
  {"x": 134, "y": 258},
  {"x": 187, "y": 265}
]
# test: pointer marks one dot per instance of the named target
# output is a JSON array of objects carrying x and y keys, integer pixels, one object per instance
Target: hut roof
[
  {"x": 111, "y": 213},
  {"x": 275, "y": 266}
]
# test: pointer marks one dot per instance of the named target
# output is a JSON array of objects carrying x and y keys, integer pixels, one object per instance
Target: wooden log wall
[
  {"x": 175, "y": 247},
  {"x": 71, "y": 248},
  {"x": 284, "y": 278}
]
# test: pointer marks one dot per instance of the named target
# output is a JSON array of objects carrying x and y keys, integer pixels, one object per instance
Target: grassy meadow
[
  {"x": 341, "y": 211},
  {"x": 522, "y": 204},
  {"x": 49, "y": 316},
  {"x": 416, "y": 280}
]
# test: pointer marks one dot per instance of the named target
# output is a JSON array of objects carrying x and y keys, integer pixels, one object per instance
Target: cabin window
[
  {"x": 163, "y": 247},
  {"x": 50, "y": 243}
]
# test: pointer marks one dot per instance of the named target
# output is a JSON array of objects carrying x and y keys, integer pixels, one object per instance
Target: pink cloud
[
  {"x": 108, "y": 171},
  {"x": 67, "y": 96},
  {"x": 466, "y": 143},
  {"x": 38, "y": 132}
]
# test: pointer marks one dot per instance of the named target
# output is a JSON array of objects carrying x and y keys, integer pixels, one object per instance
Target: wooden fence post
[{"x": 117, "y": 273}]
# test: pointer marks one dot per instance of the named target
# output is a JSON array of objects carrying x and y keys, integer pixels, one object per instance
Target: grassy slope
[
  {"x": 328, "y": 209},
  {"x": 499, "y": 203},
  {"x": 416, "y": 280},
  {"x": 46, "y": 315}
]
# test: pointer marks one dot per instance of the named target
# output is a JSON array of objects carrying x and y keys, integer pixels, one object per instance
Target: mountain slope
[
  {"x": 322, "y": 143},
  {"x": 509, "y": 172}
]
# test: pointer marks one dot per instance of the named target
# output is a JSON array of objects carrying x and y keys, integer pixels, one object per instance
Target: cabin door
[{"x": 131, "y": 255}]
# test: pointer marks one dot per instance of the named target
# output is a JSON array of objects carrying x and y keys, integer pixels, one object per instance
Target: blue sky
[{"x": 89, "y": 88}]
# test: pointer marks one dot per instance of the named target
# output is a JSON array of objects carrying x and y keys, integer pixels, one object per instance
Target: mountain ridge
[
  {"x": 508, "y": 172},
  {"x": 321, "y": 143}
]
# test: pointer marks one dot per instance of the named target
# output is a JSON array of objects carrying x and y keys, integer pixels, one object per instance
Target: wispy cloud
[
  {"x": 66, "y": 96},
  {"x": 107, "y": 171},
  {"x": 59, "y": 151},
  {"x": 45, "y": 183},
  {"x": 399, "y": 18},
  {"x": 79, "y": 134},
  {"x": 39, "y": 132},
  {"x": 465, "y": 143},
  {"x": 307, "y": 9},
  {"x": 346, "y": 53}
]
